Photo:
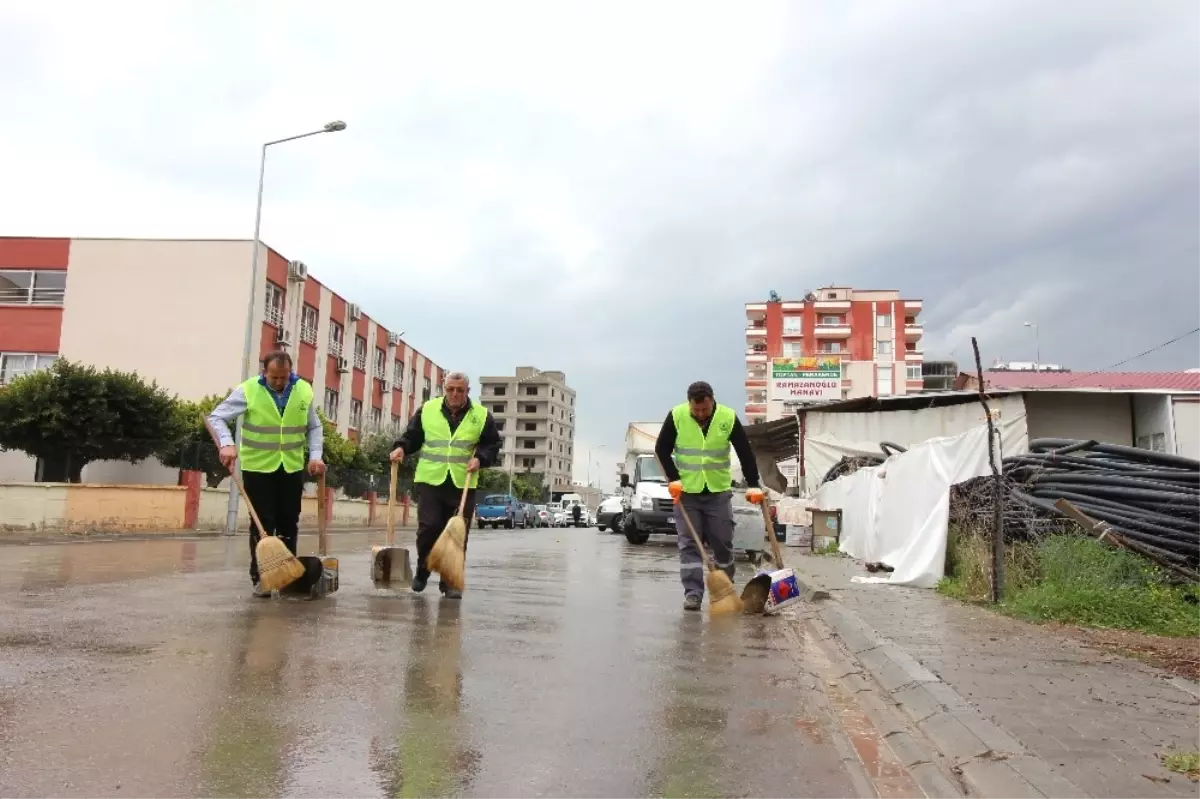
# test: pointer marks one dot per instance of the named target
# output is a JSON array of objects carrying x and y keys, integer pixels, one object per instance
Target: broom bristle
[
  {"x": 724, "y": 599},
  {"x": 447, "y": 557},
  {"x": 754, "y": 595},
  {"x": 277, "y": 566}
]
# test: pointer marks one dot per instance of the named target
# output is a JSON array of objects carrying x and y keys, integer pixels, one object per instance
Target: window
[
  {"x": 396, "y": 424},
  {"x": 531, "y": 391},
  {"x": 381, "y": 364},
  {"x": 360, "y": 353},
  {"x": 398, "y": 375},
  {"x": 308, "y": 325},
  {"x": 377, "y": 419},
  {"x": 572, "y": 402},
  {"x": 883, "y": 347},
  {"x": 829, "y": 319},
  {"x": 792, "y": 349},
  {"x": 530, "y": 409},
  {"x": 529, "y": 443},
  {"x": 532, "y": 426},
  {"x": 884, "y": 320},
  {"x": 830, "y": 346},
  {"x": 274, "y": 310},
  {"x": 883, "y": 375},
  {"x": 527, "y": 463},
  {"x": 914, "y": 372},
  {"x": 336, "y": 336},
  {"x": 355, "y": 413},
  {"x": 15, "y": 364},
  {"x": 792, "y": 324},
  {"x": 331, "y": 405},
  {"x": 500, "y": 425},
  {"x": 500, "y": 407},
  {"x": 427, "y": 392},
  {"x": 32, "y": 287},
  {"x": 499, "y": 391}
]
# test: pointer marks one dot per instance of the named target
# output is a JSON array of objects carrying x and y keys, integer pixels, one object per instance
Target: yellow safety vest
[
  {"x": 271, "y": 439},
  {"x": 444, "y": 452},
  {"x": 703, "y": 461}
]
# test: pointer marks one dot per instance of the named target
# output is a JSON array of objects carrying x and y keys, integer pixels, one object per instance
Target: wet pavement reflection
[{"x": 569, "y": 669}]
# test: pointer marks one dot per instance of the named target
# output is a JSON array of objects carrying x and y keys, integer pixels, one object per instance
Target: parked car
[
  {"x": 560, "y": 519},
  {"x": 608, "y": 515},
  {"x": 531, "y": 514},
  {"x": 543, "y": 516},
  {"x": 501, "y": 509}
]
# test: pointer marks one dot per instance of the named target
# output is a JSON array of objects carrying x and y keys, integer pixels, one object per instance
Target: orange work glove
[
  {"x": 754, "y": 495},
  {"x": 676, "y": 489}
]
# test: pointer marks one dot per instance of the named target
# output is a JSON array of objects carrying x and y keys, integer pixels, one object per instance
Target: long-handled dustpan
[
  {"x": 773, "y": 589},
  {"x": 390, "y": 564},
  {"x": 321, "y": 570}
]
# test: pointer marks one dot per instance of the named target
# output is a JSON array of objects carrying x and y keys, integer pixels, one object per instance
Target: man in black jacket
[{"x": 437, "y": 501}]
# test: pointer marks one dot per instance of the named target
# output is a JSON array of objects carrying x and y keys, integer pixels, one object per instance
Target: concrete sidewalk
[
  {"x": 57, "y": 537},
  {"x": 1019, "y": 710}
]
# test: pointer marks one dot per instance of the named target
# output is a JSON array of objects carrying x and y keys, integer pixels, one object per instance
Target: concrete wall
[
  {"x": 1186, "y": 414},
  {"x": 78, "y": 508},
  {"x": 173, "y": 310},
  {"x": 1105, "y": 417},
  {"x": 1152, "y": 427}
]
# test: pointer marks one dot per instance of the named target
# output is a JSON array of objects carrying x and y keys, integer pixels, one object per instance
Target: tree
[
  {"x": 194, "y": 449},
  {"x": 339, "y": 453},
  {"x": 377, "y": 450},
  {"x": 69, "y": 415},
  {"x": 493, "y": 481},
  {"x": 528, "y": 486}
]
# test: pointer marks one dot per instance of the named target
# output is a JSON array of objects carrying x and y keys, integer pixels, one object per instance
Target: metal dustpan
[
  {"x": 390, "y": 564},
  {"x": 771, "y": 589},
  {"x": 321, "y": 570}
]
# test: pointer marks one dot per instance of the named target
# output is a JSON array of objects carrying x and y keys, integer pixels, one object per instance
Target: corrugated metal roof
[{"x": 1112, "y": 381}]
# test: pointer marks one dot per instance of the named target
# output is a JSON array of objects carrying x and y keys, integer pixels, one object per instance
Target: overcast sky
[{"x": 609, "y": 183}]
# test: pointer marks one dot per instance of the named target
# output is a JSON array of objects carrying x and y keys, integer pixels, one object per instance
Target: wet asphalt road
[{"x": 145, "y": 668}]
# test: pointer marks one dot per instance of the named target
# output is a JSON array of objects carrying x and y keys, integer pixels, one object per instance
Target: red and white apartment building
[
  {"x": 175, "y": 311},
  {"x": 876, "y": 334}
]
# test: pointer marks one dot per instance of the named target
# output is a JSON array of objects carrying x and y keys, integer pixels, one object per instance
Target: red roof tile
[{"x": 1113, "y": 381}]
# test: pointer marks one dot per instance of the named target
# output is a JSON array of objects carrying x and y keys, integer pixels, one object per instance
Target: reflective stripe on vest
[
  {"x": 703, "y": 461},
  {"x": 271, "y": 440},
  {"x": 444, "y": 452}
]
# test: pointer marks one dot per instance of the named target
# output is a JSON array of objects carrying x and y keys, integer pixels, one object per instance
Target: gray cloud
[{"x": 610, "y": 184}]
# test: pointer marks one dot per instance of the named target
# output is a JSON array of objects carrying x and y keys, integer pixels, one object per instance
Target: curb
[
  {"x": 181, "y": 535},
  {"x": 989, "y": 761}
]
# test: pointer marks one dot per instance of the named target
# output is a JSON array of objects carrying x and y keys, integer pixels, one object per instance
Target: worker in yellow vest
[
  {"x": 693, "y": 448},
  {"x": 280, "y": 423},
  {"x": 444, "y": 432}
]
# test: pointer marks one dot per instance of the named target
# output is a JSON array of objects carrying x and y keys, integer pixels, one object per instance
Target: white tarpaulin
[
  {"x": 898, "y": 512},
  {"x": 829, "y": 436}
]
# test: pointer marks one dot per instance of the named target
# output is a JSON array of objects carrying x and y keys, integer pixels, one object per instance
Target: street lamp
[
  {"x": 330, "y": 127},
  {"x": 1037, "y": 338},
  {"x": 589, "y": 468}
]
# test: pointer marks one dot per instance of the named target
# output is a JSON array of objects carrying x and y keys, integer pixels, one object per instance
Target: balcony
[
  {"x": 831, "y": 306},
  {"x": 756, "y": 310},
  {"x": 913, "y": 331},
  {"x": 793, "y": 307},
  {"x": 913, "y": 307},
  {"x": 759, "y": 408},
  {"x": 914, "y": 355},
  {"x": 756, "y": 331},
  {"x": 832, "y": 331}
]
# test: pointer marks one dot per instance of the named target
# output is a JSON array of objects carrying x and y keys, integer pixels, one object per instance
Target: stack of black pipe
[{"x": 1149, "y": 497}]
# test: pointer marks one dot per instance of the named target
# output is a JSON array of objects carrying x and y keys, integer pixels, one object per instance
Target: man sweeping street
[
  {"x": 693, "y": 448},
  {"x": 444, "y": 431},
  {"x": 280, "y": 420}
]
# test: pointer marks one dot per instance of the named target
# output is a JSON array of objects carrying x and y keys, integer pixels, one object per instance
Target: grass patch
[
  {"x": 1187, "y": 763},
  {"x": 830, "y": 548},
  {"x": 1075, "y": 580}
]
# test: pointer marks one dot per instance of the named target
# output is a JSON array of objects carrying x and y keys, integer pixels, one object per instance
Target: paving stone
[
  {"x": 995, "y": 778},
  {"x": 951, "y": 738},
  {"x": 933, "y": 782},
  {"x": 918, "y": 702}
]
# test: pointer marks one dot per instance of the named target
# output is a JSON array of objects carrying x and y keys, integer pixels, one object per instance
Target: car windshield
[
  {"x": 494, "y": 499},
  {"x": 651, "y": 472}
]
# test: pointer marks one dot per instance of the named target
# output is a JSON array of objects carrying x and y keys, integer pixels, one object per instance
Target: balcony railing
[
  {"x": 832, "y": 331},
  {"x": 335, "y": 347},
  {"x": 360, "y": 361},
  {"x": 274, "y": 315},
  {"x": 308, "y": 334}
]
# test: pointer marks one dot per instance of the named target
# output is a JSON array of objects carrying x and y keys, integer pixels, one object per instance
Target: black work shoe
[
  {"x": 418, "y": 584},
  {"x": 692, "y": 602},
  {"x": 451, "y": 593}
]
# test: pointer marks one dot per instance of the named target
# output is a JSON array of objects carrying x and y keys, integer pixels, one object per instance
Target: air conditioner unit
[
  {"x": 297, "y": 271},
  {"x": 343, "y": 364},
  {"x": 283, "y": 337},
  {"x": 355, "y": 311},
  {"x": 393, "y": 339}
]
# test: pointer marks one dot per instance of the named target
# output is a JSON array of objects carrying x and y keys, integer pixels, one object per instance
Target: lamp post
[
  {"x": 589, "y": 467},
  {"x": 330, "y": 127},
  {"x": 1037, "y": 338}
]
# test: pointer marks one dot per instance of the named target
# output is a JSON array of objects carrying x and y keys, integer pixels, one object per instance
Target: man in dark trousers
[
  {"x": 576, "y": 512},
  {"x": 693, "y": 448},
  {"x": 444, "y": 431},
  {"x": 281, "y": 422}
]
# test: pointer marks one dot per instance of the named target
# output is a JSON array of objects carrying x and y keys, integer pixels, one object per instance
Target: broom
[
  {"x": 449, "y": 554},
  {"x": 722, "y": 598},
  {"x": 277, "y": 566}
]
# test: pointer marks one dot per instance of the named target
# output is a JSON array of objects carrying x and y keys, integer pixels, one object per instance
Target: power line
[{"x": 1085, "y": 375}]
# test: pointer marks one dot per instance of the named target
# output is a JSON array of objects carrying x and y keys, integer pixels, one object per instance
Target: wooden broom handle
[
  {"x": 393, "y": 480},
  {"x": 769, "y": 526},
  {"x": 699, "y": 545},
  {"x": 322, "y": 523},
  {"x": 462, "y": 503},
  {"x": 237, "y": 479}
]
